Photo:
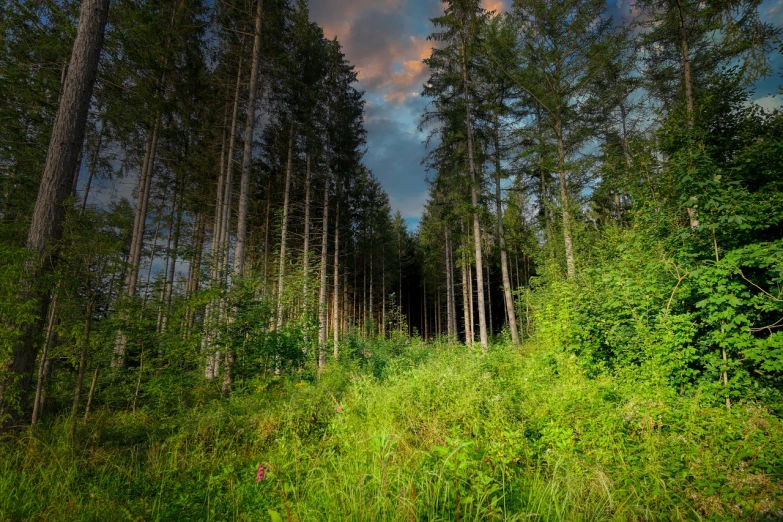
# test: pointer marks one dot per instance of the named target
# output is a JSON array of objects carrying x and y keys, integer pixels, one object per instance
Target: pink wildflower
[
  {"x": 260, "y": 473},
  {"x": 339, "y": 409}
]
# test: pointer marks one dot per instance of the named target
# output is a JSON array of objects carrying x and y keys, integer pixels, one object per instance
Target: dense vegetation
[{"x": 586, "y": 325}]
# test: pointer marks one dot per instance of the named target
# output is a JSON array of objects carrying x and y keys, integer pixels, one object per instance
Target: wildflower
[
  {"x": 260, "y": 473},
  {"x": 339, "y": 409}
]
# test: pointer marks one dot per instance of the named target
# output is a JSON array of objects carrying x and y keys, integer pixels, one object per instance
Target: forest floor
[{"x": 406, "y": 431}]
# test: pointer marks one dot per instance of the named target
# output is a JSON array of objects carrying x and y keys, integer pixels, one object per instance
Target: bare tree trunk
[
  {"x": 137, "y": 238},
  {"x": 284, "y": 229},
  {"x": 306, "y": 255},
  {"x": 569, "y": 248},
  {"x": 82, "y": 360},
  {"x": 322, "y": 304},
  {"x": 475, "y": 203},
  {"x": 437, "y": 314},
  {"x": 466, "y": 302},
  {"x": 266, "y": 231},
  {"x": 172, "y": 261},
  {"x": 471, "y": 298},
  {"x": 93, "y": 166},
  {"x": 450, "y": 327},
  {"x": 91, "y": 395},
  {"x": 508, "y": 298},
  {"x": 336, "y": 290},
  {"x": 244, "y": 190},
  {"x": 489, "y": 298},
  {"x": 48, "y": 343},
  {"x": 372, "y": 308},
  {"x": 426, "y": 310},
  {"x": 62, "y": 159},
  {"x": 228, "y": 189}
]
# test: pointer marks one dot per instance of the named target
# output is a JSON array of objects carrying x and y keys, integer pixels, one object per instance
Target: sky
[{"x": 386, "y": 40}]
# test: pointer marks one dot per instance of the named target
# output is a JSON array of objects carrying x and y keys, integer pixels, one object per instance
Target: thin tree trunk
[
  {"x": 322, "y": 304},
  {"x": 266, "y": 231},
  {"x": 224, "y": 235},
  {"x": 489, "y": 299},
  {"x": 383, "y": 297},
  {"x": 137, "y": 238},
  {"x": 93, "y": 167},
  {"x": 82, "y": 360},
  {"x": 284, "y": 229},
  {"x": 91, "y": 395},
  {"x": 306, "y": 255},
  {"x": 62, "y": 158},
  {"x": 336, "y": 290},
  {"x": 372, "y": 308},
  {"x": 569, "y": 248},
  {"x": 426, "y": 310},
  {"x": 471, "y": 299},
  {"x": 244, "y": 191},
  {"x": 48, "y": 343},
  {"x": 508, "y": 298},
  {"x": 173, "y": 261},
  {"x": 466, "y": 302},
  {"x": 449, "y": 284},
  {"x": 475, "y": 203}
]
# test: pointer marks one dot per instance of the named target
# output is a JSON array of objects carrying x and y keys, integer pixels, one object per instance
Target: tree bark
[
  {"x": 62, "y": 159},
  {"x": 508, "y": 298},
  {"x": 244, "y": 190},
  {"x": 322, "y": 304},
  {"x": 564, "y": 203},
  {"x": 284, "y": 229},
  {"x": 336, "y": 290},
  {"x": 82, "y": 360},
  {"x": 475, "y": 203},
  {"x": 306, "y": 255}
]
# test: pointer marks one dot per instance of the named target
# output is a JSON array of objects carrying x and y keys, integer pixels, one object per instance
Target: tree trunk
[
  {"x": 244, "y": 190},
  {"x": 475, "y": 203},
  {"x": 284, "y": 229},
  {"x": 569, "y": 248},
  {"x": 306, "y": 255},
  {"x": 228, "y": 189},
  {"x": 467, "y": 305},
  {"x": 322, "y": 304},
  {"x": 91, "y": 395},
  {"x": 172, "y": 261},
  {"x": 82, "y": 360},
  {"x": 93, "y": 166},
  {"x": 48, "y": 344},
  {"x": 508, "y": 298},
  {"x": 450, "y": 328},
  {"x": 62, "y": 158},
  {"x": 336, "y": 290}
]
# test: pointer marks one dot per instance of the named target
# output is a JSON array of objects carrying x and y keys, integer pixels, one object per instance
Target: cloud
[
  {"x": 769, "y": 103},
  {"x": 386, "y": 42}
]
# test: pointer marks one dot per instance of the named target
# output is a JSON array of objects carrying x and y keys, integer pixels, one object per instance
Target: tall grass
[{"x": 436, "y": 433}]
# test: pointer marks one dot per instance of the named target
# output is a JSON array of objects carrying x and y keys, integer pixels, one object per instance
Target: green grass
[{"x": 435, "y": 433}]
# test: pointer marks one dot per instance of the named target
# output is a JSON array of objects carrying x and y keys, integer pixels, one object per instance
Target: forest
[{"x": 211, "y": 310}]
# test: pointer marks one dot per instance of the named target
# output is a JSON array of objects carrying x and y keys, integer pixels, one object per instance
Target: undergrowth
[{"x": 436, "y": 432}]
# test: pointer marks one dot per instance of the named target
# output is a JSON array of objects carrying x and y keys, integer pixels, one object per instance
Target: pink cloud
[{"x": 379, "y": 42}]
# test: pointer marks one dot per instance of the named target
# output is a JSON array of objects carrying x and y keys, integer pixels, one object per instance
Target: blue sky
[{"x": 386, "y": 41}]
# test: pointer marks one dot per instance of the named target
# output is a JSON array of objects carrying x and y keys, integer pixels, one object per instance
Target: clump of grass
[{"x": 429, "y": 433}]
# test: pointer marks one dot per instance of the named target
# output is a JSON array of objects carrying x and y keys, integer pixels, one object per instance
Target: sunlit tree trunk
[
  {"x": 508, "y": 298},
  {"x": 475, "y": 203},
  {"x": 564, "y": 203}
]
